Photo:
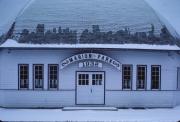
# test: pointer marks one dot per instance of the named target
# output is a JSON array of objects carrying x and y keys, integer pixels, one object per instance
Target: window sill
[
  {"x": 156, "y": 89},
  {"x": 127, "y": 89},
  {"x": 23, "y": 89},
  {"x": 38, "y": 89},
  {"x": 141, "y": 89},
  {"x": 53, "y": 89}
]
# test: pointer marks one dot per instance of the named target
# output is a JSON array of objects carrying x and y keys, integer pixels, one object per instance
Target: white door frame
[{"x": 104, "y": 73}]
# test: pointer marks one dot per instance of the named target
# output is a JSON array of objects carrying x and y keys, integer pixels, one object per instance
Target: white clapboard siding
[
  {"x": 38, "y": 98},
  {"x": 140, "y": 99},
  {"x": 65, "y": 96}
]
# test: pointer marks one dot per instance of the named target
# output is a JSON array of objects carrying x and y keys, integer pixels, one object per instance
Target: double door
[{"x": 90, "y": 88}]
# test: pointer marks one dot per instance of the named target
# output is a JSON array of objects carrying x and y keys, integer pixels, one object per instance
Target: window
[
  {"x": 127, "y": 77},
  {"x": 53, "y": 76},
  {"x": 23, "y": 76},
  {"x": 97, "y": 79},
  {"x": 155, "y": 77},
  {"x": 141, "y": 77},
  {"x": 38, "y": 76},
  {"x": 83, "y": 79}
]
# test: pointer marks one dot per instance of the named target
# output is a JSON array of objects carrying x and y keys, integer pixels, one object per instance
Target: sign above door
[
  {"x": 90, "y": 64},
  {"x": 91, "y": 56}
]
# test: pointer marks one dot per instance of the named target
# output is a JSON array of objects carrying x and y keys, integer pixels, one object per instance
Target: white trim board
[{"x": 14, "y": 44}]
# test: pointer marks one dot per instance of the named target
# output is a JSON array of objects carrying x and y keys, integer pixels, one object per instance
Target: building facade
[
  {"x": 89, "y": 53},
  {"x": 58, "y": 77}
]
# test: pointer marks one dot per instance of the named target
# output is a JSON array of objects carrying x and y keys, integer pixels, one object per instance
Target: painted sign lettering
[
  {"x": 90, "y": 56},
  {"x": 89, "y": 64}
]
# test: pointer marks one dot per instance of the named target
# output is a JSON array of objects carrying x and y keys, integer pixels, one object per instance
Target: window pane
[
  {"x": 141, "y": 77},
  {"x": 127, "y": 76},
  {"x": 97, "y": 79},
  {"x": 155, "y": 77},
  {"x": 80, "y": 82},
  {"x": 53, "y": 76},
  {"x": 24, "y": 76},
  {"x": 38, "y": 76},
  {"x": 87, "y": 76}
]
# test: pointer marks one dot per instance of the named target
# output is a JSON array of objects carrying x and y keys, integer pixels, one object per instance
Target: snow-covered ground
[{"x": 122, "y": 115}]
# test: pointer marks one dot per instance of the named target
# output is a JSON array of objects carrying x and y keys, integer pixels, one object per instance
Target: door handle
[{"x": 91, "y": 90}]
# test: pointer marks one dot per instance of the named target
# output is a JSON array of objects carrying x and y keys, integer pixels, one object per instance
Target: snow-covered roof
[
  {"x": 110, "y": 15},
  {"x": 89, "y": 22},
  {"x": 168, "y": 12},
  {"x": 14, "y": 44}
]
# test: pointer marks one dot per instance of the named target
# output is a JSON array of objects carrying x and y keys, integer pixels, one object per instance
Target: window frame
[
  {"x": 145, "y": 82},
  {"x": 97, "y": 79},
  {"x": 49, "y": 76},
  {"x": 178, "y": 79},
  {"x": 159, "y": 77},
  {"x": 19, "y": 82},
  {"x": 131, "y": 84},
  {"x": 34, "y": 76},
  {"x": 85, "y": 80}
]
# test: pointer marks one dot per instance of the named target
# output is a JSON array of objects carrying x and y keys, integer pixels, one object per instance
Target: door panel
[
  {"x": 90, "y": 88},
  {"x": 83, "y": 88},
  {"x": 97, "y": 88}
]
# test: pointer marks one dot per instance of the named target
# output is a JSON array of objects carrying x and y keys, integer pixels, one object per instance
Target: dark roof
[{"x": 90, "y": 22}]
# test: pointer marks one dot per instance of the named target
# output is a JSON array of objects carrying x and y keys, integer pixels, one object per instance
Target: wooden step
[{"x": 90, "y": 108}]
